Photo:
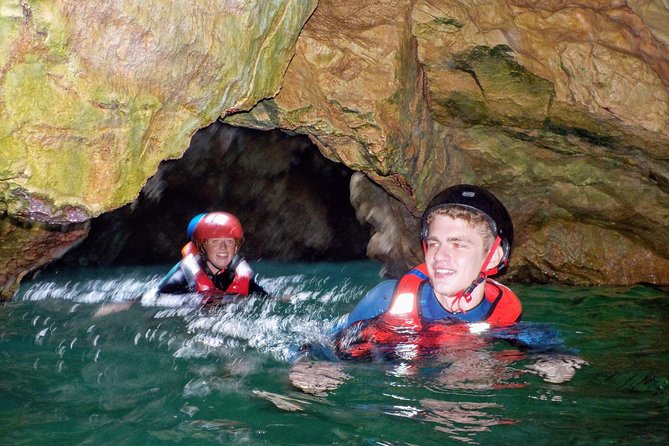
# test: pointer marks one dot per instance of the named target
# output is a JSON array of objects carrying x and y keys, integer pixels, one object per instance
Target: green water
[{"x": 171, "y": 374}]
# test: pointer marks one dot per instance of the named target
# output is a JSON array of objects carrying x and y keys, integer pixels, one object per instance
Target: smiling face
[
  {"x": 455, "y": 252},
  {"x": 220, "y": 251}
]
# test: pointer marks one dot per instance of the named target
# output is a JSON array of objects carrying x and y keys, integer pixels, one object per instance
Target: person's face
[
  {"x": 220, "y": 251},
  {"x": 454, "y": 255}
]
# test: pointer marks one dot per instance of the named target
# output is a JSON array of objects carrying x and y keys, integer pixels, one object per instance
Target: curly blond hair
[{"x": 475, "y": 219}]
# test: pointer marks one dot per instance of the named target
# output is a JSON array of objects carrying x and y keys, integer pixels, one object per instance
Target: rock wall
[
  {"x": 559, "y": 107},
  {"x": 94, "y": 95}
]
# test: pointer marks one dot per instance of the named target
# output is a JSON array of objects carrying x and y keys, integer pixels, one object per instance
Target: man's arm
[
  {"x": 174, "y": 282},
  {"x": 375, "y": 303},
  {"x": 254, "y": 288}
]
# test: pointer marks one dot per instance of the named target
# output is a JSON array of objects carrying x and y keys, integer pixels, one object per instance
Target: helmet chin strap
[{"x": 466, "y": 294}]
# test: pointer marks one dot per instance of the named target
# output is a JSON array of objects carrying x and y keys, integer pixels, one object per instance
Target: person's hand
[{"x": 558, "y": 368}]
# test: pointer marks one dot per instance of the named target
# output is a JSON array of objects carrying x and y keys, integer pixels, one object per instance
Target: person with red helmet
[
  {"x": 467, "y": 236},
  {"x": 211, "y": 263}
]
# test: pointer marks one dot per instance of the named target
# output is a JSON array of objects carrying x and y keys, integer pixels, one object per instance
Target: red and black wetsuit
[{"x": 190, "y": 275}]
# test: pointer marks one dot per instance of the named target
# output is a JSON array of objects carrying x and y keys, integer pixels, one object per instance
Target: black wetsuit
[{"x": 176, "y": 281}]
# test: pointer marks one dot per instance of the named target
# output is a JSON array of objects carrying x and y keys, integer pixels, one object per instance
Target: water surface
[{"x": 178, "y": 374}]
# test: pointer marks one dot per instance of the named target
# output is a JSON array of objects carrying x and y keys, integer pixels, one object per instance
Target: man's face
[
  {"x": 220, "y": 251},
  {"x": 454, "y": 256}
]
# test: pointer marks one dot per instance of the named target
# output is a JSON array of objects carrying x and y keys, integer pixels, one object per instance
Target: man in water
[
  {"x": 467, "y": 236},
  {"x": 448, "y": 301},
  {"x": 211, "y": 263}
]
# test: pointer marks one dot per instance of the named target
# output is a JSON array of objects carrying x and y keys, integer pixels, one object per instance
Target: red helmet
[{"x": 217, "y": 225}]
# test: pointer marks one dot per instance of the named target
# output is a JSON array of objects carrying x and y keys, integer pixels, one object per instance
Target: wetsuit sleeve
[
  {"x": 534, "y": 337},
  {"x": 375, "y": 303},
  {"x": 174, "y": 282},
  {"x": 254, "y": 288}
]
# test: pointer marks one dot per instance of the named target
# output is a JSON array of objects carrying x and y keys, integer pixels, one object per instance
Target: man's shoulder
[
  {"x": 375, "y": 302},
  {"x": 383, "y": 288},
  {"x": 382, "y": 292}
]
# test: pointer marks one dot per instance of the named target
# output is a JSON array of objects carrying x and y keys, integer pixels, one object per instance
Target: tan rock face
[
  {"x": 559, "y": 107},
  {"x": 562, "y": 107}
]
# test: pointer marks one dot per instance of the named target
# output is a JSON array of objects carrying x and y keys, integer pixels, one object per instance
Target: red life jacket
[
  {"x": 403, "y": 325},
  {"x": 202, "y": 283}
]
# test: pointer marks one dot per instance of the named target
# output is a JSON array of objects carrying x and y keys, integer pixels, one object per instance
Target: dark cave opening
[{"x": 293, "y": 202}]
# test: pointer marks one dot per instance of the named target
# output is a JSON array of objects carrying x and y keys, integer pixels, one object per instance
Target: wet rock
[
  {"x": 26, "y": 247},
  {"x": 561, "y": 108}
]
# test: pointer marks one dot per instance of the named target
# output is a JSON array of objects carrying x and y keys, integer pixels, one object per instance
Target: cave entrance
[{"x": 292, "y": 201}]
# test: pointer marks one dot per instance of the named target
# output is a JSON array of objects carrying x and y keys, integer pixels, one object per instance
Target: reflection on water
[
  {"x": 459, "y": 419},
  {"x": 86, "y": 361}
]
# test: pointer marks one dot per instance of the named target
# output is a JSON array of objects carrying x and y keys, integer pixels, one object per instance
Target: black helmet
[{"x": 477, "y": 199}]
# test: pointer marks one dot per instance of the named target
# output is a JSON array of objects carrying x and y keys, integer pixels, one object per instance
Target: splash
[{"x": 301, "y": 310}]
